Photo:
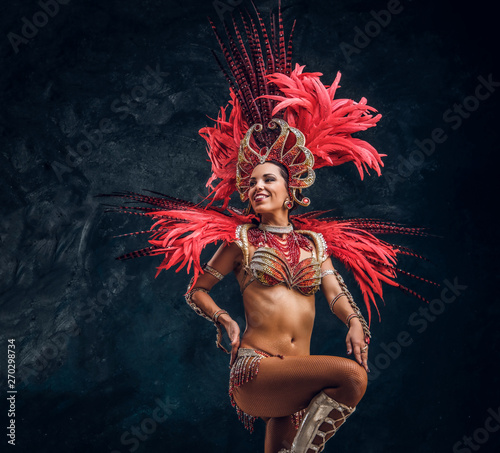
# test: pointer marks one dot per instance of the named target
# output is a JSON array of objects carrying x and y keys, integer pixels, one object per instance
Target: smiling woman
[
  {"x": 283, "y": 125},
  {"x": 268, "y": 184},
  {"x": 273, "y": 375}
]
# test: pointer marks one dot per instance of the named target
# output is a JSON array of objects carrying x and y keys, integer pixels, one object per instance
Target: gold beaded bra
[{"x": 270, "y": 266}]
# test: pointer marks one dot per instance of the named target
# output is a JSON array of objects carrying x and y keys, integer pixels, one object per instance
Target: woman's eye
[{"x": 253, "y": 183}]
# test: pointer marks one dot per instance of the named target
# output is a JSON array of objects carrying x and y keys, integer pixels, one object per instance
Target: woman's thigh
[{"x": 285, "y": 386}]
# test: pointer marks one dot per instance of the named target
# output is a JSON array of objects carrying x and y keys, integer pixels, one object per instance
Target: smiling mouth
[{"x": 260, "y": 197}]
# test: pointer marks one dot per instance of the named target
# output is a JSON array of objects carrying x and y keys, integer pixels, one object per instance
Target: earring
[{"x": 288, "y": 204}]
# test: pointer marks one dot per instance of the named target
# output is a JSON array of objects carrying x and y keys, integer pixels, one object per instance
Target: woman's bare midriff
[{"x": 279, "y": 320}]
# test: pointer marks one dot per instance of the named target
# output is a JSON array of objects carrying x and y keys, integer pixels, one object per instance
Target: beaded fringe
[
  {"x": 244, "y": 370},
  {"x": 297, "y": 417}
]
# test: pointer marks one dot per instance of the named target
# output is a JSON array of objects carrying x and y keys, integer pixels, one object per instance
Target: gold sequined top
[{"x": 270, "y": 267}]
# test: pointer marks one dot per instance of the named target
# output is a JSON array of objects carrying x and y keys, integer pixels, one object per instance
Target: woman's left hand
[
  {"x": 233, "y": 332},
  {"x": 355, "y": 342}
]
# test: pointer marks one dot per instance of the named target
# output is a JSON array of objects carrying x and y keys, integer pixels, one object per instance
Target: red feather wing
[
  {"x": 181, "y": 229},
  {"x": 371, "y": 260}
]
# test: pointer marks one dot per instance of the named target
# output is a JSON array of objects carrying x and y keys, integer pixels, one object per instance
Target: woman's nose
[{"x": 259, "y": 184}]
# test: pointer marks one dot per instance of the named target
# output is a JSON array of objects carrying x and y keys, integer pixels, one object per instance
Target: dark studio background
[{"x": 103, "y": 346}]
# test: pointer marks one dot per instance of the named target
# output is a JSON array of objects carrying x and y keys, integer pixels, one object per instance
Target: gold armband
[
  {"x": 199, "y": 311},
  {"x": 327, "y": 272},
  {"x": 213, "y": 272}
]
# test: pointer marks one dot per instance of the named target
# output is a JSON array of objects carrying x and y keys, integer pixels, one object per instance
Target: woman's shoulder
[
  {"x": 242, "y": 239},
  {"x": 242, "y": 231},
  {"x": 319, "y": 243}
]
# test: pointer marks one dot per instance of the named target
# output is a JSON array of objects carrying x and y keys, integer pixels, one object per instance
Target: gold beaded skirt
[{"x": 244, "y": 369}]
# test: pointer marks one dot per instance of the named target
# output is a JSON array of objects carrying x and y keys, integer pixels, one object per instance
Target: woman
[
  {"x": 280, "y": 260},
  {"x": 279, "y": 323}
]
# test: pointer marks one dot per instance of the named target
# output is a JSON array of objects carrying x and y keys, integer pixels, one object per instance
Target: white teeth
[{"x": 260, "y": 197}]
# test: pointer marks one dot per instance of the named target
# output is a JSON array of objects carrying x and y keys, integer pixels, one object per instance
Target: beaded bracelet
[
  {"x": 348, "y": 320},
  {"x": 189, "y": 300},
  {"x": 215, "y": 316},
  {"x": 356, "y": 310},
  {"x": 199, "y": 311},
  {"x": 335, "y": 299}
]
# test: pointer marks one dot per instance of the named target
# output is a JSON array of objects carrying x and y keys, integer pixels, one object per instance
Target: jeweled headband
[{"x": 297, "y": 159}]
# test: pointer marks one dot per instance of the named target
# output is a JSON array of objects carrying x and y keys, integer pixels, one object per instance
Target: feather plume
[
  {"x": 299, "y": 97},
  {"x": 181, "y": 230},
  {"x": 371, "y": 260},
  {"x": 327, "y": 123}
]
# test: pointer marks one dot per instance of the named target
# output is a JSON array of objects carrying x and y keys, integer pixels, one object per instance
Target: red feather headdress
[{"x": 264, "y": 91}]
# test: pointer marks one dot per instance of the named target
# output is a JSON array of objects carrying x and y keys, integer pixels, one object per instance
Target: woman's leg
[
  {"x": 280, "y": 432},
  {"x": 285, "y": 386}
]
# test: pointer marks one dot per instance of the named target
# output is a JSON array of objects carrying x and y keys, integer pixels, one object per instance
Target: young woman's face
[{"x": 268, "y": 190}]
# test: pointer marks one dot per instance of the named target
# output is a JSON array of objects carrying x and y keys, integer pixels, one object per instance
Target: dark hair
[
  {"x": 284, "y": 173},
  {"x": 283, "y": 170}
]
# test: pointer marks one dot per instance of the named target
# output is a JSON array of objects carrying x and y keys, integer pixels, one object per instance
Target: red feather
[
  {"x": 327, "y": 123},
  {"x": 305, "y": 103},
  {"x": 181, "y": 230},
  {"x": 371, "y": 260}
]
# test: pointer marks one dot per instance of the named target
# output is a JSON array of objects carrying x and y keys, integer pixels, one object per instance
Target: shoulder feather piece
[
  {"x": 181, "y": 229},
  {"x": 371, "y": 260}
]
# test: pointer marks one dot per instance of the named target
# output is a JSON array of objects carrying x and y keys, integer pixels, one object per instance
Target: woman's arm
[
  {"x": 226, "y": 259},
  {"x": 342, "y": 308}
]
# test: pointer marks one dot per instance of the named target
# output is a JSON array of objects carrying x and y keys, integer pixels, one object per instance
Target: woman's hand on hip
[
  {"x": 355, "y": 342},
  {"x": 233, "y": 332}
]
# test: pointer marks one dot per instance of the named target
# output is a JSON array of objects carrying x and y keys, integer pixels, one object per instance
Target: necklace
[
  {"x": 289, "y": 246},
  {"x": 276, "y": 229}
]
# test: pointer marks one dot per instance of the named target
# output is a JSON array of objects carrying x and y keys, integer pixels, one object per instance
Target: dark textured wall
[{"x": 103, "y": 96}]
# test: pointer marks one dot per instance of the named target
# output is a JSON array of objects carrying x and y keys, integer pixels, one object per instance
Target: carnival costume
[{"x": 288, "y": 117}]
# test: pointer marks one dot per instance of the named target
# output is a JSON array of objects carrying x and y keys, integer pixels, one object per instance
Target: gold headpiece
[{"x": 297, "y": 159}]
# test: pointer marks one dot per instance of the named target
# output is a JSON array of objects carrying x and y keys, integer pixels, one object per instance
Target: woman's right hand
[{"x": 233, "y": 332}]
